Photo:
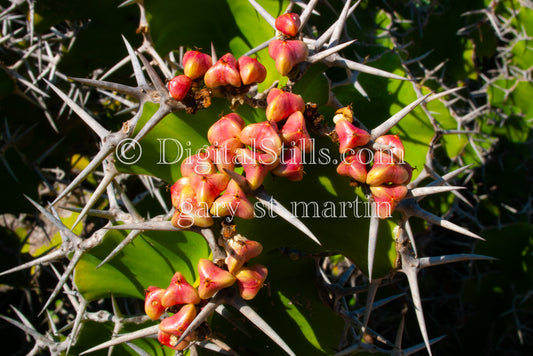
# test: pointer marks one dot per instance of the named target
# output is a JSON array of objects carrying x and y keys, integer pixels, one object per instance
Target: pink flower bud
[
  {"x": 199, "y": 163},
  {"x": 394, "y": 173},
  {"x": 256, "y": 165},
  {"x": 288, "y": 24},
  {"x": 224, "y": 72},
  {"x": 294, "y": 132},
  {"x": 350, "y": 136},
  {"x": 281, "y": 104},
  {"x": 190, "y": 212},
  {"x": 354, "y": 166},
  {"x": 195, "y": 64},
  {"x": 250, "y": 280},
  {"x": 179, "y": 292},
  {"x": 223, "y": 154},
  {"x": 240, "y": 250},
  {"x": 287, "y": 54},
  {"x": 251, "y": 70},
  {"x": 212, "y": 278},
  {"x": 209, "y": 186},
  {"x": 228, "y": 126},
  {"x": 175, "y": 190},
  {"x": 262, "y": 136},
  {"x": 290, "y": 165},
  {"x": 171, "y": 340},
  {"x": 386, "y": 198},
  {"x": 179, "y": 86},
  {"x": 152, "y": 302},
  {"x": 233, "y": 203},
  {"x": 178, "y": 323},
  {"x": 397, "y": 150}
]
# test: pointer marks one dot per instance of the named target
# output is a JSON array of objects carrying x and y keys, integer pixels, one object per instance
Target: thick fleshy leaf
[{"x": 152, "y": 259}]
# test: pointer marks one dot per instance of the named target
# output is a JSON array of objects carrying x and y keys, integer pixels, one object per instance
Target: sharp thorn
[
  {"x": 393, "y": 120},
  {"x": 268, "y": 18},
  {"x": 412, "y": 278},
  {"x": 372, "y": 240},
  {"x": 132, "y": 235},
  {"x": 251, "y": 315},
  {"x": 88, "y": 119},
  {"x": 273, "y": 205},
  {"x": 137, "y": 69},
  {"x": 146, "y": 332},
  {"x": 440, "y": 260}
]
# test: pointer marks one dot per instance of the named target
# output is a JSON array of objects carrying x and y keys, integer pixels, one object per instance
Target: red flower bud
[
  {"x": 250, "y": 280},
  {"x": 256, "y": 165},
  {"x": 394, "y": 173},
  {"x": 179, "y": 86},
  {"x": 290, "y": 165},
  {"x": 262, "y": 136},
  {"x": 294, "y": 132},
  {"x": 251, "y": 70},
  {"x": 288, "y": 24},
  {"x": 233, "y": 203},
  {"x": 224, "y": 72},
  {"x": 152, "y": 302},
  {"x": 209, "y": 186},
  {"x": 195, "y": 64},
  {"x": 190, "y": 212},
  {"x": 281, "y": 104},
  {"x": 212, "y": 278},
  {"x": 287, "y": 54},
  {"x": 397, "y": 150},
  {"x": 178, "y": 323},
  {"x": 171, "y": 340},
  {"x": 228, "y": 126},
  {"x": 240, "y": 250},
  {"x": 175, "y": 190},
  {"x": 179, "y": 292},
  {"x": 199, "y": 163},
  {"x": 350, "y": 136},
  {"x": 354, "y": 166},
  {"x": 386, "y": 198}
]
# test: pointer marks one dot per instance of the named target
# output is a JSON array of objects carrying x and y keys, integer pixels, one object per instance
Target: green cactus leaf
[
  {"x": 151, "y": 259},
  {"x": 96, "y": 333}
]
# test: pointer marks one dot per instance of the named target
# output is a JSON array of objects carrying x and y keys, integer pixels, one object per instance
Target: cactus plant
[{"x": 291, "y": 174}]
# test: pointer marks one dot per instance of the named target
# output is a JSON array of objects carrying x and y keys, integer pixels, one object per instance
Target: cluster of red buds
[
  {"x": 184, "y": 300},
  {"x": 384, "y": 171},
  {"x": 288, "y": 50},
  {"x": 274, "y": 146},
  {"x": 227, "y": 71}
]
